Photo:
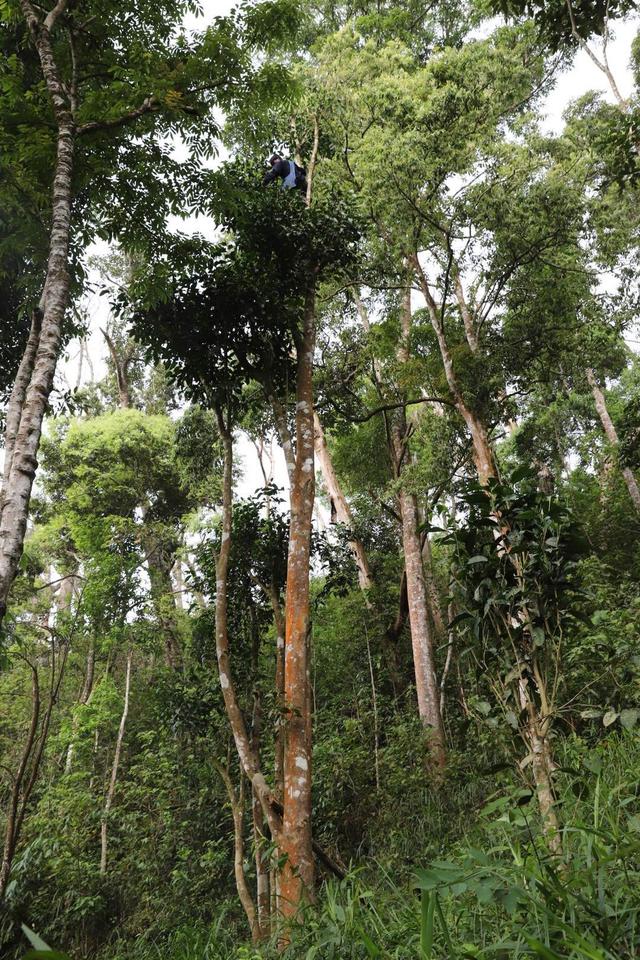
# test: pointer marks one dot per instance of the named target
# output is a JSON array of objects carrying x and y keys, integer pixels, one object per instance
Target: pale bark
[
  {"x": 114, "y": 770},
  {"x": 278, "y": 618},
  {"x": 121, "y": 367},
  {"x": 603, "y": 64},
  {"x": 263, "y": 894},
  {"x": 483, "y": 455},
  {"x": 467, "y": 318},
  {"x": 259, "y": 826},
  {"x": 296, "y": 841},
  {"x": 612, "y": 436},
  {"x": 236, "y": 802},
  {"x": 54, "y": 301},
  {"x": 427, "y": 689},
  {"x": 451, "y": 634},
  {"x": 19, "y": 391},
  {"x": 422, "y": 641},
  {"x": 340, "y": 504}
]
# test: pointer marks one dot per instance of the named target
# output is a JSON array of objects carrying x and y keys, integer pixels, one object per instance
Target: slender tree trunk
[
  {"x": 246, "y": 754},
  {"x": 376, "y": 722},
  {"x": 340, "y": 504},
  {"x": 259, "y": 827},
  {"x": 391, "y": 637},
  {"x": 83, "y": 699},
  {"x": 296, "y": 843},
  {"x": 279, "y": 622},
  {"x": 483, "y": 455},
  {"x": 27, "y": 428},
  {"x": 121, "y": 367},
  {"x": 612, "y": 436},
  {"x": 114, "y": 770},
  {"x": 263, "y": 893},
  {"x": 486, "y": 468},
  {"x": 11, "y": 832},
  {"x": 30, "y": 761},
  {"x": 536, "y": 738},
  {"x": 236, "y": 802}
]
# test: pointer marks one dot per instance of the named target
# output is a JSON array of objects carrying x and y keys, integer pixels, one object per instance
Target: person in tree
[{"x": 293, "y": 177}]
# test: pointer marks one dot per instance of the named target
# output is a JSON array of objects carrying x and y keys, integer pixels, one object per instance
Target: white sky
[{"x": 581, "y": 77}]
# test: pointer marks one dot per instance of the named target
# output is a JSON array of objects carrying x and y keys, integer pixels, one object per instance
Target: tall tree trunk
[
  {"x": 612, "y": 436},
  {"x": 422, "y": 643},
  {"x": 114, "y": 770},
  {"x": 279, "y": 621},
  {"x": 340, "y": 504},
  {"x": 435, "y": 608},
  {"x": 16, "y": 495},
  {"x": 486, "y": 468},
  {"x": 296, "y": 843},
  {"x": 121, "y": 367}
]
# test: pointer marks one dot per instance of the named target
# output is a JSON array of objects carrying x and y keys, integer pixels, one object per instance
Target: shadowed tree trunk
[{"x": 246, "y": 754}]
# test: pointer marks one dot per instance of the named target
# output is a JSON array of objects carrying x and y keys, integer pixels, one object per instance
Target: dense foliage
[{"x": 448, "y": 316}]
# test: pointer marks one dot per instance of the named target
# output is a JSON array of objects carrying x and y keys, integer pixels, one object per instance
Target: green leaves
[{"x": 41, "y": 950}]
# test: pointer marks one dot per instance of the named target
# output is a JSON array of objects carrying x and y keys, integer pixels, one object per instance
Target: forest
[{"x": 320, "y": 503}]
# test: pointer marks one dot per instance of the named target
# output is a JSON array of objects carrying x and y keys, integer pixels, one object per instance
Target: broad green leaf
[{"x": 629, "y": 717}]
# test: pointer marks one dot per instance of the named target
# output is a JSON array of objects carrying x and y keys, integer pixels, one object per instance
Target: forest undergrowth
[{"x": 492, "y": 889}]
